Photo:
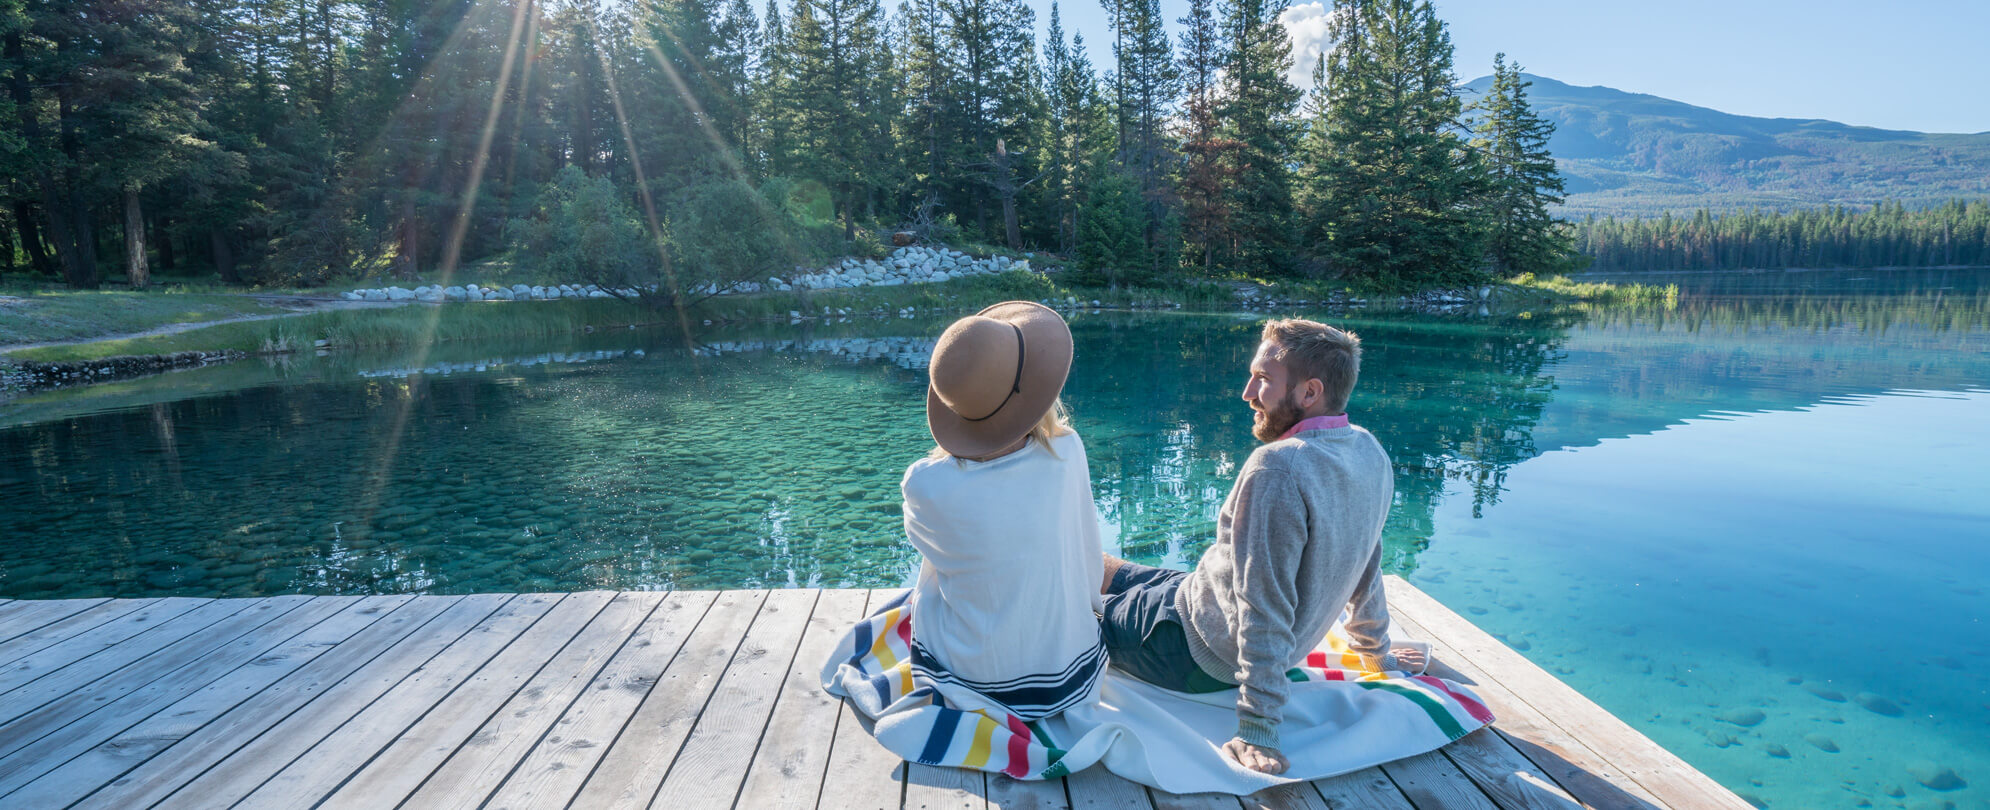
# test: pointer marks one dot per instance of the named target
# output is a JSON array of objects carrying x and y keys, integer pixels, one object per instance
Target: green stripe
[
  {"x": 1055, "y": 753},
  {"x": 1438, "y": 713}
]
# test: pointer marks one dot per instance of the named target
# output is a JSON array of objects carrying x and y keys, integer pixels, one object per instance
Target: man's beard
[{"x": 1276, "y": 419}]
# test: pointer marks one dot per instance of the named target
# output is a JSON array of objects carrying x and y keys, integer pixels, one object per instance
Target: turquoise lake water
[{"x": 1754, "y": 524}]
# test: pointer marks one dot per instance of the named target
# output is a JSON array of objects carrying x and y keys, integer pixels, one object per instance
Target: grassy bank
[
  {"x": 40, "y": 317},
  {"x": 1565, "y": 289}
]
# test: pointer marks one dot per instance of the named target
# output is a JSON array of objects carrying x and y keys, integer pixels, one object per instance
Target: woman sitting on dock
[{"x": 1002, "y": 513}]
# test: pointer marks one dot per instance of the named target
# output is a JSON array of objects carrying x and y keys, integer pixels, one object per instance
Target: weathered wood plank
[
  {"x": 48, "y": 683},
  {"x": 1164, "y": 800},
  {"x": 787, "y": 770},
  {"x": 931, "y": 788},
  {"x": 708, "y": 770},
  {"x": 95, "y": 640},
  {"x": 1503, "y": 774},
  {"x": 153, "y": 759},
  {"x": 76, "y": 690},
  {"x": 469, "y": 743},
  {"x": 100, "y": 713},
  {"x": 254, "y": 760},
  {"x": 1296, "y": 796},
  {"x": 553, "y": 771},
  {"x": 861, "y": 775},
  {"x": 28, "y": 615},
  {"x": 108, "y": 759},
  {"x": 1026, "y": 794},
  {"x": 1362, "y": 790},
  {"x": 1659, "y": 771},
  {"x": 1096, "y": 788},
  {"x": 1432, "y": 783},
  {"x": 634, "y": 766},
  {"x": 522, "y": 641},
  {"x": 58, "y": 631}
]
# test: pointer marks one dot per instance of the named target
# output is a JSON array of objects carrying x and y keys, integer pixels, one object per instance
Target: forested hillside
[
  {"x": 1636, "y": 154},
  {"x": 1955, "y": 233},
  {"x": 300, "y": 141}
]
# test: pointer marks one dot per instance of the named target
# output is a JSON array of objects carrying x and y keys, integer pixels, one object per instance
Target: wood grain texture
[
  {"x": 62, "y": 629},
  {"x": 150, "y": 769},
  {"x": 707, "y": 772},
  {"x": 1096, "y": 788},
  {"x": 1431, "y": 782},
  {"x": 26, "y": 616},
  {"x": 469, "y": 744},
  {"x": 183, "y": 631},
  {"x": 1006, "y": 793},
  {"x": 1659, "y": 771},
  {"x": 786, "y": 772},
  {"x": 862, "y": 775},
  {"x": 97, "y": 639},
  {"x": 1365, "y": 788},
  {"x": 553, "y": 772},
  {"x": 634, "y": 766}
]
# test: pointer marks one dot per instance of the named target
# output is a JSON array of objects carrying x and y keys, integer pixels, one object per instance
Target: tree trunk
[
  {"x": 408, "y": 260},
  {"x": 224, "y": 256},
  {"x": 135, "y": 268},
  {"x": 30, "y": 229},
  {"x": 68, "y": 214},
  {"x": 6, "y": 250}
]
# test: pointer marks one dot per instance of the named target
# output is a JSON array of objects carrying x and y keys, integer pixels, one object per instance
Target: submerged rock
[
  {"x": 1825, "y": 692},
  {"x": 1743, "y": 717},
  {"x": 1822, "y": 743},
  {"x": 1777, "y": 751},
  {"x": 1877, "y": 705},
  {"x": 1935, "y": 776}
]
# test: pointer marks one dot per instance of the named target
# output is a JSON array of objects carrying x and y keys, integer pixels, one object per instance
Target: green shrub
[{"x": 584, "y": 229}]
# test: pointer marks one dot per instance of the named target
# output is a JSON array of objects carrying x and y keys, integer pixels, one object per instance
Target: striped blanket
[{"x": 1340, "y": 718}]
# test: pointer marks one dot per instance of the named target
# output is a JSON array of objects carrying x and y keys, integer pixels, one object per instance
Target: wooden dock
[{"x": 689, "y": 699}]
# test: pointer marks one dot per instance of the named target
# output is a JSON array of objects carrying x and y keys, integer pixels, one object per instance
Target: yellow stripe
[
  {"x": 1336, "y": 643},
  {"x": 904, "y": 678},
  {"x": 1353, "y": 661},
  {"x": 880, "y": 649},
  {"x": 984, "y": 731}
]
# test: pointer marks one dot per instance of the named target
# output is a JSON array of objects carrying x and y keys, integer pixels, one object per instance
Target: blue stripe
[
  {"x": 882, "y": 683},
  {"x": 1028, "y": 702},
  {"x": 941, "y": 738},
  {"x": 896, "y": 601},
  {"x": 861, "y": 636}
]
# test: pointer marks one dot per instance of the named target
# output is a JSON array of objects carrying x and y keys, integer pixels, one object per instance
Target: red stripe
[
  {"x": 1478, "y": 710},
  {"x": 905, "y": 631},
  {"x": 1336, "y": 674},
  {"x": 1019, "y": 748},
  {"x": 1316, "y": 659}
]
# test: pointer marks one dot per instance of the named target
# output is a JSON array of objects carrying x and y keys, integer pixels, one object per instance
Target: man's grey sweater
[{"x": 1300, "y": 538}]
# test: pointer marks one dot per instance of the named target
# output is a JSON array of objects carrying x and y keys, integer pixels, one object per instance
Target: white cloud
[{"x": 1306, "y": 24}]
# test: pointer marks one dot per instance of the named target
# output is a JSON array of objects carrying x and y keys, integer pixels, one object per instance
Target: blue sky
[{"x": 1906, "y": 64}]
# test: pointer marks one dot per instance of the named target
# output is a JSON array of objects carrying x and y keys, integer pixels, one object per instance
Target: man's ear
[{"x": 1315, "y": 391}]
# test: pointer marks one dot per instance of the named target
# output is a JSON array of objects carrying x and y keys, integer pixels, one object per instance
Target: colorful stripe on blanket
[{"x": 872, "y": 666}]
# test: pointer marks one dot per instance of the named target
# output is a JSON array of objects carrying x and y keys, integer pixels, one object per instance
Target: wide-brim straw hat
[{"x": 994, "y": 374}]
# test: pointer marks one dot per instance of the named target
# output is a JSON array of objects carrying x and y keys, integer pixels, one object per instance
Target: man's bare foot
[
  {"x": 1112, "y": 567},
  {"x": 1410, "y": 658},
  {"x": 1256, "y": 757}
]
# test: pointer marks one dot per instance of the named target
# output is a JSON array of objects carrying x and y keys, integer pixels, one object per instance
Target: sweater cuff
[{"x": 1257, "y": 731}]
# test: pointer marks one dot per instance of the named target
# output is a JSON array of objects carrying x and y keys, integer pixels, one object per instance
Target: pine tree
[
  {"x": 1257, "y": 113},
  {"x": 836, "y": 67},
  {"x": 1077, "y": 130},
  {"x": 1146, "y": 82},
  {"x": 1207, "y": 170},
  {"x": 1521, "y": 236}
]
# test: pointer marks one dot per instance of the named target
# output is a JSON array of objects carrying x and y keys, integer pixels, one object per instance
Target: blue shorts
[{"x": 1143, "y": 631}]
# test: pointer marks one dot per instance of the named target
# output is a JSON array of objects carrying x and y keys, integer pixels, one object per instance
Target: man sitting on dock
[{"x": 1298, "y": 541}]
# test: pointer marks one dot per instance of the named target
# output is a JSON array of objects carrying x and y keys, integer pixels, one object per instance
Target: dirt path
[{"x": 293, "y": 304}]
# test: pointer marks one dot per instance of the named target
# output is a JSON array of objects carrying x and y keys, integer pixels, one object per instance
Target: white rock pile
[{"x": 908, "y": 265}]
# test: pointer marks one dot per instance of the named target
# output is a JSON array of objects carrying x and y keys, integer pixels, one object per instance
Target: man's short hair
[{"x": 1311, "y": 350}]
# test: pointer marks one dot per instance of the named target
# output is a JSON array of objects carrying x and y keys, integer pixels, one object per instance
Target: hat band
[{"x": 1015, "y": 387}]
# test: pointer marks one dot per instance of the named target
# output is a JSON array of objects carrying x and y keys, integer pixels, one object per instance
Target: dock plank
[
  {"x": 49, "y": 683},
  {"x": 553, "y": 771},
  {"x": 1296, "y": 796},
  {"x": 1364, "y": 789},
  {"x": 63, "y": 629},
  {"x": 256, "y": 759},
  {"x": 107, "y": 760},
  {"x": 1659, "y": 771},
  {"x": 1007, "y": 793},
  {"x": 468, "y": 745},
  {"x": 153, "y": 759},
  {"x": 632, "y": 769},
  {"x": 933, "y": 788},
  {"x": 78, "y": 689},
  {"x": 523, "y": 639},
  {"x": 21, "y": 617},
  {"x": 1164, "y": 800},
  {"x": 707, "y": 772},
  {"x": 101, "y": 712},
  {"x": 861, "y": 775},
  {"x": 1431, "y": 782},
  {"x": 786, "y": 772},
  {"x": 92, "y": 641},
  {"x": 1096, "y": 788}
]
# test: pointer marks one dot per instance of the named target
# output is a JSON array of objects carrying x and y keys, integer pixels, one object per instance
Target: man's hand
[
  {"x": 1254, "y": 757},
  {"x": 1410, "y": 658}
]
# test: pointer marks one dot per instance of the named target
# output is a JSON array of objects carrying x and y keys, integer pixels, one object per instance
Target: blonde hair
[
  {"x": 1312, "y": 350},
  {"x": 1055, "y": 422}
]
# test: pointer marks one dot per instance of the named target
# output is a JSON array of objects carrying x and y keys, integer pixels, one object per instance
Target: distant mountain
[{"x": 1631, "y": 153}]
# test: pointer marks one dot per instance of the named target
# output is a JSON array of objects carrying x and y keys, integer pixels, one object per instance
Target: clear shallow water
[{"x": 1765, "y": 499}]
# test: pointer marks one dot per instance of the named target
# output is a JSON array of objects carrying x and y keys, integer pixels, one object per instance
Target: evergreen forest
[
  {"x": 298, "y": 142},
  {"x": 1956, "y": 233}
]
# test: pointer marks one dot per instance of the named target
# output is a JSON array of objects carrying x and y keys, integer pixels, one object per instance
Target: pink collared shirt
[{"x": 1338, "y": 420}]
